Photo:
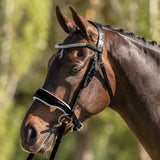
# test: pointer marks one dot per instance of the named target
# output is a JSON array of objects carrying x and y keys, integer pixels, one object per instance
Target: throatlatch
[{"x": 50, "y": 100}]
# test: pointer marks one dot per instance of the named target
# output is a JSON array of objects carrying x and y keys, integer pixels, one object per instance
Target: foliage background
[{"x": 28, "y": 32}]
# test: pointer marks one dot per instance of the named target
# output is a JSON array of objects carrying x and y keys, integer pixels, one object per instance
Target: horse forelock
[{"x": 73, "y": 37}]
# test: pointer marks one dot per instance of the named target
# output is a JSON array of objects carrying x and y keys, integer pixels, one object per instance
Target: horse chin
[{"x": 46, "y": 146}]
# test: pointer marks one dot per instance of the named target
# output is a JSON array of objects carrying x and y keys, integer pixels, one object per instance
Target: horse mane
[{"x": 152, "y": 44}]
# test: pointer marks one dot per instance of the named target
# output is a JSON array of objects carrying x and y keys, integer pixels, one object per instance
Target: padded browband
[{"x": 74, "y": 45}]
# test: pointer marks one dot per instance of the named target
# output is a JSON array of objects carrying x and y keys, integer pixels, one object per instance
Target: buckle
[{"x": 65, "y": 118}]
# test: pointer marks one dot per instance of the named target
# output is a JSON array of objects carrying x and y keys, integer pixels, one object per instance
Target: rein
[{"x": 50, "y": 100}]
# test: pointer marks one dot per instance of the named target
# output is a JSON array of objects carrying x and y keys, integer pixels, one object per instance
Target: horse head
[{"x": 66, "y": 70}]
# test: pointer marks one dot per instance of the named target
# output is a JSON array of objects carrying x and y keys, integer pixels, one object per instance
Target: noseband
[{"x": 51, "y": 100}]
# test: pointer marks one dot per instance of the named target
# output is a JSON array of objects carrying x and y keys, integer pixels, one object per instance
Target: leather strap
[
  {"x": 75, "y": 45},
  {"x": 49, "y": 99}
]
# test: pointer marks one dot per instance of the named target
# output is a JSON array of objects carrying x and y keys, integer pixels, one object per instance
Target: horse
[{"x": 132, "y": 66}]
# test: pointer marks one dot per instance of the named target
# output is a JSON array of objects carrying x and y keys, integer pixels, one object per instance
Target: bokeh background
[{"x": 28, "y": 32}]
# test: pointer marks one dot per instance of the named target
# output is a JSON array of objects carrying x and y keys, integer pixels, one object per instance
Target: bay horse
[{"x": 133, "y": 69}]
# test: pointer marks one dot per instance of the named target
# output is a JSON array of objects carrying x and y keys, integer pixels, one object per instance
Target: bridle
[{"x": 51, "y": 100}]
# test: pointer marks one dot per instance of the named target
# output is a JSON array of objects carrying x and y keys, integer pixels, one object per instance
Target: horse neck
[{"x": 136, "y": 67}]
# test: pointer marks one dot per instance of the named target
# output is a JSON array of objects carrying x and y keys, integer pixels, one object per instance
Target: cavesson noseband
[{"x": 51, "y": 100}]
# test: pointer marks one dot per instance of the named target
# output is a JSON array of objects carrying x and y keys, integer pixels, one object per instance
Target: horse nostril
[{"x": 31, "y": 134}]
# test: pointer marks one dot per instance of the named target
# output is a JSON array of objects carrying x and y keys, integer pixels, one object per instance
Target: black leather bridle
[{"x": 50, "y": 100}]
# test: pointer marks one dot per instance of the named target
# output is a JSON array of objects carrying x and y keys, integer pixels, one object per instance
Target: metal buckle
[{"x": 65, "y": 118}]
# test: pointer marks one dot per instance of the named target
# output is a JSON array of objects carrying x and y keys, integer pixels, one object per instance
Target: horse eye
[{"x": 75, "y": 69}]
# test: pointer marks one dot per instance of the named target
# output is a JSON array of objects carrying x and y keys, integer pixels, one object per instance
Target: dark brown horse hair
[{"x": 132, "y": 35}]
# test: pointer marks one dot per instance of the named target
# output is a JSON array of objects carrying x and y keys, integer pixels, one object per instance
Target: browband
[{"x": 74, "y": 45}]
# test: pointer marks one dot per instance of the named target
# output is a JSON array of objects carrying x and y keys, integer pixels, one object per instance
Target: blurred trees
[
  {"x": 28, "y": 32},
  {"x": 23, "y": 37}
]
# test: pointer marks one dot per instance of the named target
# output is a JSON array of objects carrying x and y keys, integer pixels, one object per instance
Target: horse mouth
[{"x": 44, "y": 144}]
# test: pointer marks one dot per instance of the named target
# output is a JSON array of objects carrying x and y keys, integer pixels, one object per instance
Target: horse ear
[
  {"x": 87, "y": 29},
  {"x": 66, "y": 23}
]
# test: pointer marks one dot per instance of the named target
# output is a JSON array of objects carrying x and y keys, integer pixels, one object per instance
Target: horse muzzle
[{"x": 35, "y": 141}]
